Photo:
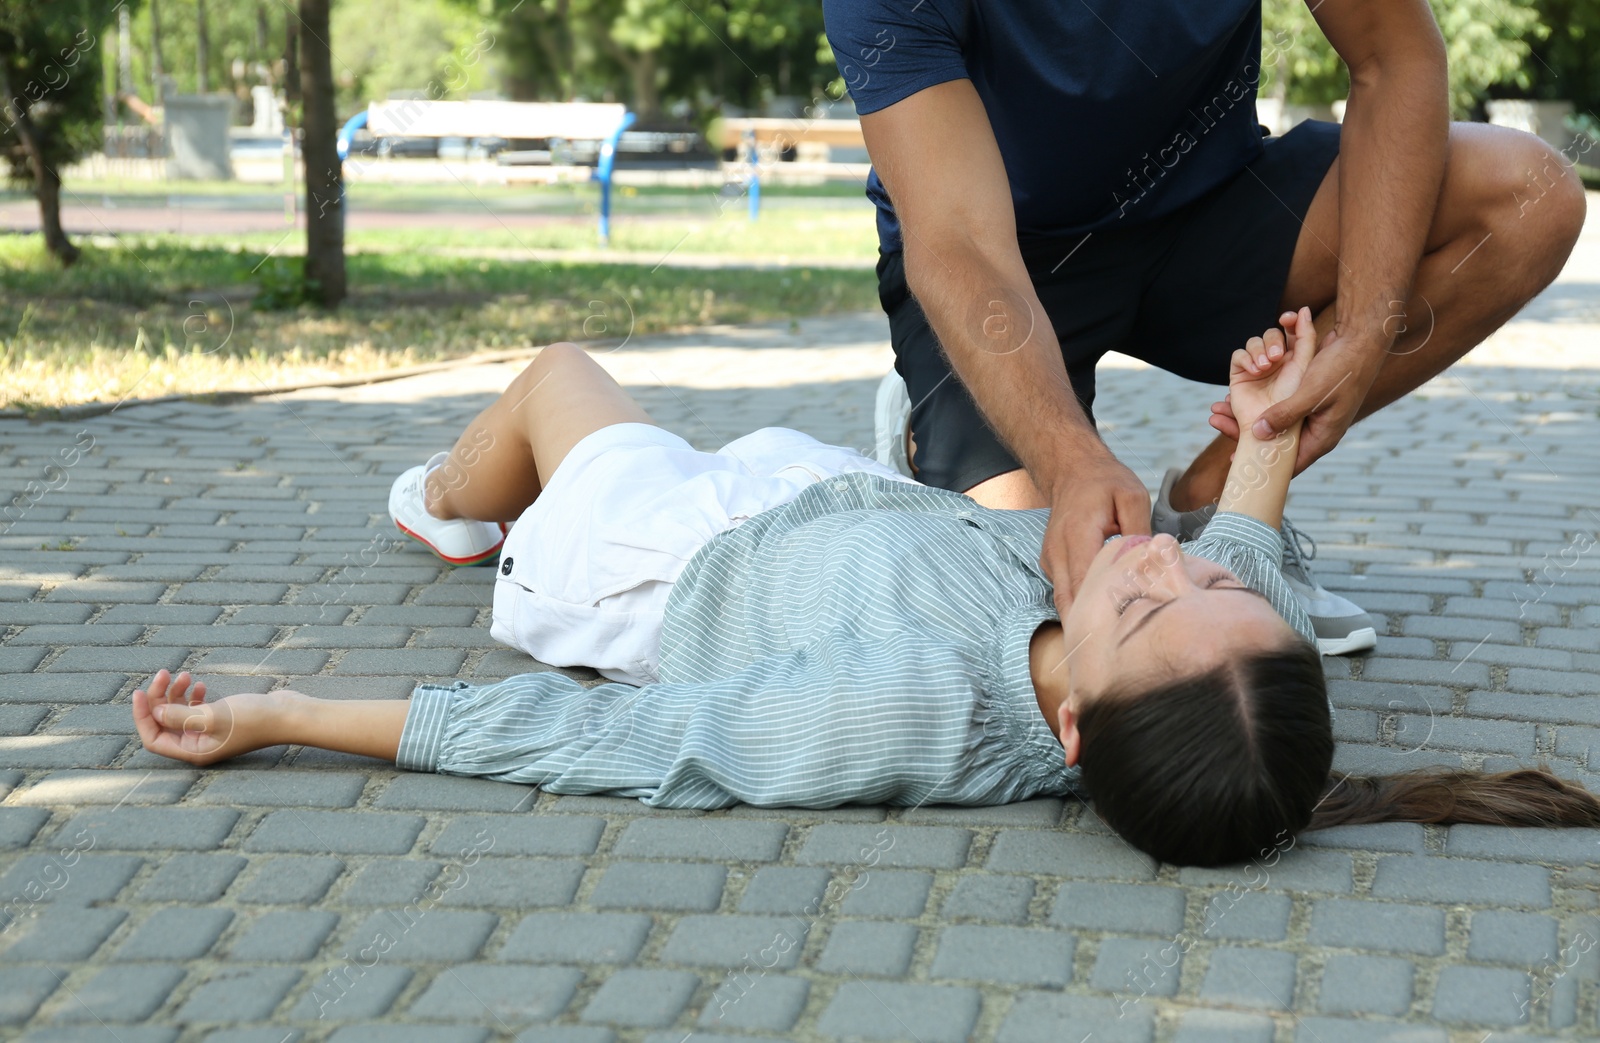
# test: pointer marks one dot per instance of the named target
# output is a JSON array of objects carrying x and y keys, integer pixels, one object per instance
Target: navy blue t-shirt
[{"x": 1105, "y": 112}]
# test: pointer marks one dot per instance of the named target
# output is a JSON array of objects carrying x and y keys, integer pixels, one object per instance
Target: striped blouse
[{"x": 866, "y": 642}]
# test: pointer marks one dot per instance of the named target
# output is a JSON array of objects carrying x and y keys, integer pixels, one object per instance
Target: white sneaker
[
  {"x": 458, "y": 542},
  {"x": 891, "y": 421},
  {"x": 1342, "y": 626}
]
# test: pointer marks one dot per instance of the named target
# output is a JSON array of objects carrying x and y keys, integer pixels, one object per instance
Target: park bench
[
  {"x": 564, "y": 121},
  {"x": 783, "y": 135}
]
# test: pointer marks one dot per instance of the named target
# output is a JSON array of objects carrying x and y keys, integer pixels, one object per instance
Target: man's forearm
[
  {"x": 1003, "y": 347},
  {"x": 1391, "y": 166}
]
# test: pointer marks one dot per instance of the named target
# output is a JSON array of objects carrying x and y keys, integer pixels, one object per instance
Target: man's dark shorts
[{"x": 1181, "y": 292}]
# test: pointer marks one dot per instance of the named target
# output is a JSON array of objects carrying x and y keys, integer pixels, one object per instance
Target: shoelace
[{"x": 1294, "y": 540}]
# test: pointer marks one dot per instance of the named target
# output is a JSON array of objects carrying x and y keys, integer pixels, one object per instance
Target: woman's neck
[{"x": 1047, "y": 662}]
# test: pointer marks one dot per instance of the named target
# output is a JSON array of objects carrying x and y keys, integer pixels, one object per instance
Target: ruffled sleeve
[{"x": 1253, "y": 550}]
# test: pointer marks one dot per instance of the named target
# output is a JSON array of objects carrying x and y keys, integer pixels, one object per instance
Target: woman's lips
[{"x": 1128, "y": 543}]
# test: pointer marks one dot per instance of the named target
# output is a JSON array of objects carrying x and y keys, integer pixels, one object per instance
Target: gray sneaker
[
  {"x": 1185, "y": 525},
  {"x": 891, "y": 422},
  {"x": 1342, "y": 627}
]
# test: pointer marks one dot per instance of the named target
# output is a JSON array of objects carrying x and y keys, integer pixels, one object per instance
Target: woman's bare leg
[
  {"x": 509, "y": 450},
  {"x": 174, "y": 720}
]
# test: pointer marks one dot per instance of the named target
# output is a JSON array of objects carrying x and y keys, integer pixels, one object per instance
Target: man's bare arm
[
  {"x": 1391, "y": 166},
  {"x": 936, "y": 154}
]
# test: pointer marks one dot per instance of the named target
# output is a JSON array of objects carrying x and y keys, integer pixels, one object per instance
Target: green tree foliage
[
  {"x": 1486, "y": 41},
  {"x": 380, "y": 47},
  {"x": 1566, "y": 63},
  {"x": 51, "y": 97},
  {"x": 245, "y": 35}
]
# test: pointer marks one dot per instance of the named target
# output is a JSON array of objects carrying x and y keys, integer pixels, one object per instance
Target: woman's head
[{"x": 1198, "y": 717}]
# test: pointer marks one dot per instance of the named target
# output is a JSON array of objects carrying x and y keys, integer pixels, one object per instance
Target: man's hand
[
  {"x": 1100, "y": 497},
  {"x": 1329, "y": 396}
]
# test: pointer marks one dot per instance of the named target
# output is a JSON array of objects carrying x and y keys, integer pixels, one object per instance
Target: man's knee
[{"x": 1528, "y": 193}]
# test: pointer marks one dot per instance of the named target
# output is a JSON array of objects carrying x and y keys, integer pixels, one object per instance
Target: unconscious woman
[{"x": 786, "y": 623}]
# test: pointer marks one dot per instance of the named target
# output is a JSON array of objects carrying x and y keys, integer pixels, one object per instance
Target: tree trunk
[
  {"x": 46, "y": 185},
  {"x": 325, "y": 274},
  {"x": 646, "y": 96},
  {"x": 202, "y": 46},
  {"x": 158, "y": 68},
  {"x": 291, "y": 63}
]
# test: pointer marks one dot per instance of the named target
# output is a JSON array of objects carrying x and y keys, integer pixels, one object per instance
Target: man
[{"x": 1055, "y": 181}]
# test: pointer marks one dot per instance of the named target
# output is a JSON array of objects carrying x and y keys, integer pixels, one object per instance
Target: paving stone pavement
[{"x": 298, "y": 895}]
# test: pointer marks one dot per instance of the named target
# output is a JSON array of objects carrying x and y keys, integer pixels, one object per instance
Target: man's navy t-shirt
[{"x": 1105, "y": 112}]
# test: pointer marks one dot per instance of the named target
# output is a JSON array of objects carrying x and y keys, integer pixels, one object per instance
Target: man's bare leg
[
  {"x": 174, "y": 720},
  {"x": 1495, "y": 242},
  {"x": 511, "y": 449},
  {"x": 1011, "y": 491}
]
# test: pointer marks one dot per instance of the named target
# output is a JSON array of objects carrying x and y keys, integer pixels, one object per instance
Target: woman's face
[{"x": 1147, "y": 614}]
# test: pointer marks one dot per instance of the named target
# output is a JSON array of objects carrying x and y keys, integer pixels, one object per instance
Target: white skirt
[{"x": 585, "y": 572}]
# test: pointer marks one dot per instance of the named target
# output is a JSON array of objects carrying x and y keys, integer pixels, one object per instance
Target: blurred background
[{"x": 214, "y": 195}]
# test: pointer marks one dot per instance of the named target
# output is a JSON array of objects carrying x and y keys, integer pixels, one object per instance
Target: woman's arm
[{"x": 1267, "y": 370}]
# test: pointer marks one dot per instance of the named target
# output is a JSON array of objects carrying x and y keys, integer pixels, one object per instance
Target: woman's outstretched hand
[{"x": 1267, "y": 370}]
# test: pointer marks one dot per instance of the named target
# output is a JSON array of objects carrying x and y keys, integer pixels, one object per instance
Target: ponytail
[{"x": 1524, "y": 797}]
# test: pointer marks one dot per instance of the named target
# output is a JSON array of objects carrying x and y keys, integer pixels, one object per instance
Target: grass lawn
[{"x": 164, "y": 314}]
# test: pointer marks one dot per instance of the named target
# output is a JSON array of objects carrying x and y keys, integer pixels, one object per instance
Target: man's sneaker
[
  {"x": 458, "y": 542},
  {"x": 1185, "y": 525},
  {"x": 1340, "y": 624},
  {"x": 891, "y": 419}
]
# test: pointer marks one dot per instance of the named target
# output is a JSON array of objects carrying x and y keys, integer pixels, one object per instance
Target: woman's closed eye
[{"x": 1211, "y": 581}]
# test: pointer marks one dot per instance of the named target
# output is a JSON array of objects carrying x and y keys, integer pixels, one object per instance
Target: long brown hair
[{"x": 1223, "y": 766}]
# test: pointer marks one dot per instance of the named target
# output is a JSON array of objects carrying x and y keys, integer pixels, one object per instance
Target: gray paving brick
[
  {"x": 760, "y": 1003},
  {"x": 1068, "y": 854},
  {"x": 702, "y": 838},
  {"x": 1223, "y": 1026},
  {"x": 1356, "y": 759},
  {"x": 280, "y": 788},
  {"x": 509, "y": 995},
  {"x": 175, "y": 934},
  {"x": 1041, "y": 812},
  {"x": 161, "y": 615},
  {"x": 32, "y": 612},
  {"x": 1140, "y": 908},
  {"x": 506, "y": 835},
  {"x": 108, "y": 593},
  {"x": 1505, "y": 631},
  {"x": 1252, "y": 915},
  {"x": 1141, "y": 966},
  {"x": 1481, "y": 996},
  {"x": 857, "y": 947},
  {"x": 1519, "y": 939},
  {"x": 1440, "y": 672},
  {"x": 568, "y": 937},
  {"x": 69, "y": 877},
  {"x": 1405, "y": 837},
  {"x": 1250, "y": 978},
  {"x": 644, "y": 999},
  {"x": 412, "y": 662},
  {"x": 1569, "y": 845},
  {"x": 65, "y": 688},
  {"x": 1561, "y": 682},
  {"x": 1353, "y": 924},
  {"x": 1366, "y": 985},
  {"x": 1334, "y": 1030},
  {"x": 131, "y": 828},
  {"x": 785, "y": 889},
  {"x": 290, "y": 615},
  {"x": 734, "y": 941},
  {"x": 990, "y": 897},
  {"x": 284, "y": 936},
  {"x": 51, "y": 933},
  {"x": 412, "y": 1034},
  {"x": 1561, "y": 709},
  {"x": 18, "y": 826},
  {"x": 1462, "y": 733},
  {"x": 1579, "y": 743},
  {"x": 290, "y": 881},
  {"x": 1295, "y": 870},
  {"x": 23, "y": 990},
  {"x": 88, "y": 634},
  {"x": 930, "y": 847},
  {"x": 20, "y": 719},
  {"x": 352, "y": 992},
  {"x": 1016, "y": 955},
  {"x": 94, "y": 719},
  {"x": 227, "y": 594},
  {"x": 656, "y": 885},
  {"x": 512, "y": 883},
  {"x": 892, "y": 1010},
  {"x": 1052, "y": 1017},
  {"x": 569, "y": 1034},
  {"x": 418, "y": 616},
  {"x": 899, "y": 893},
  {"x": 448, "y": 793},
  {"x": 143, "y": 660},
  {"x": 337, "y": 832},
  {"x": 424, "y": 935},
  {"x": 1459, "y": 880},
  {"x": 121, "y": 994},
  {"x": 390, "y": 881},
  {"x": 252, "y": 661}
]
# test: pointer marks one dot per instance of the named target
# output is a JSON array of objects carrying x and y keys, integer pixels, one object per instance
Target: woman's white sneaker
[{"x": 457, "y": 542}]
